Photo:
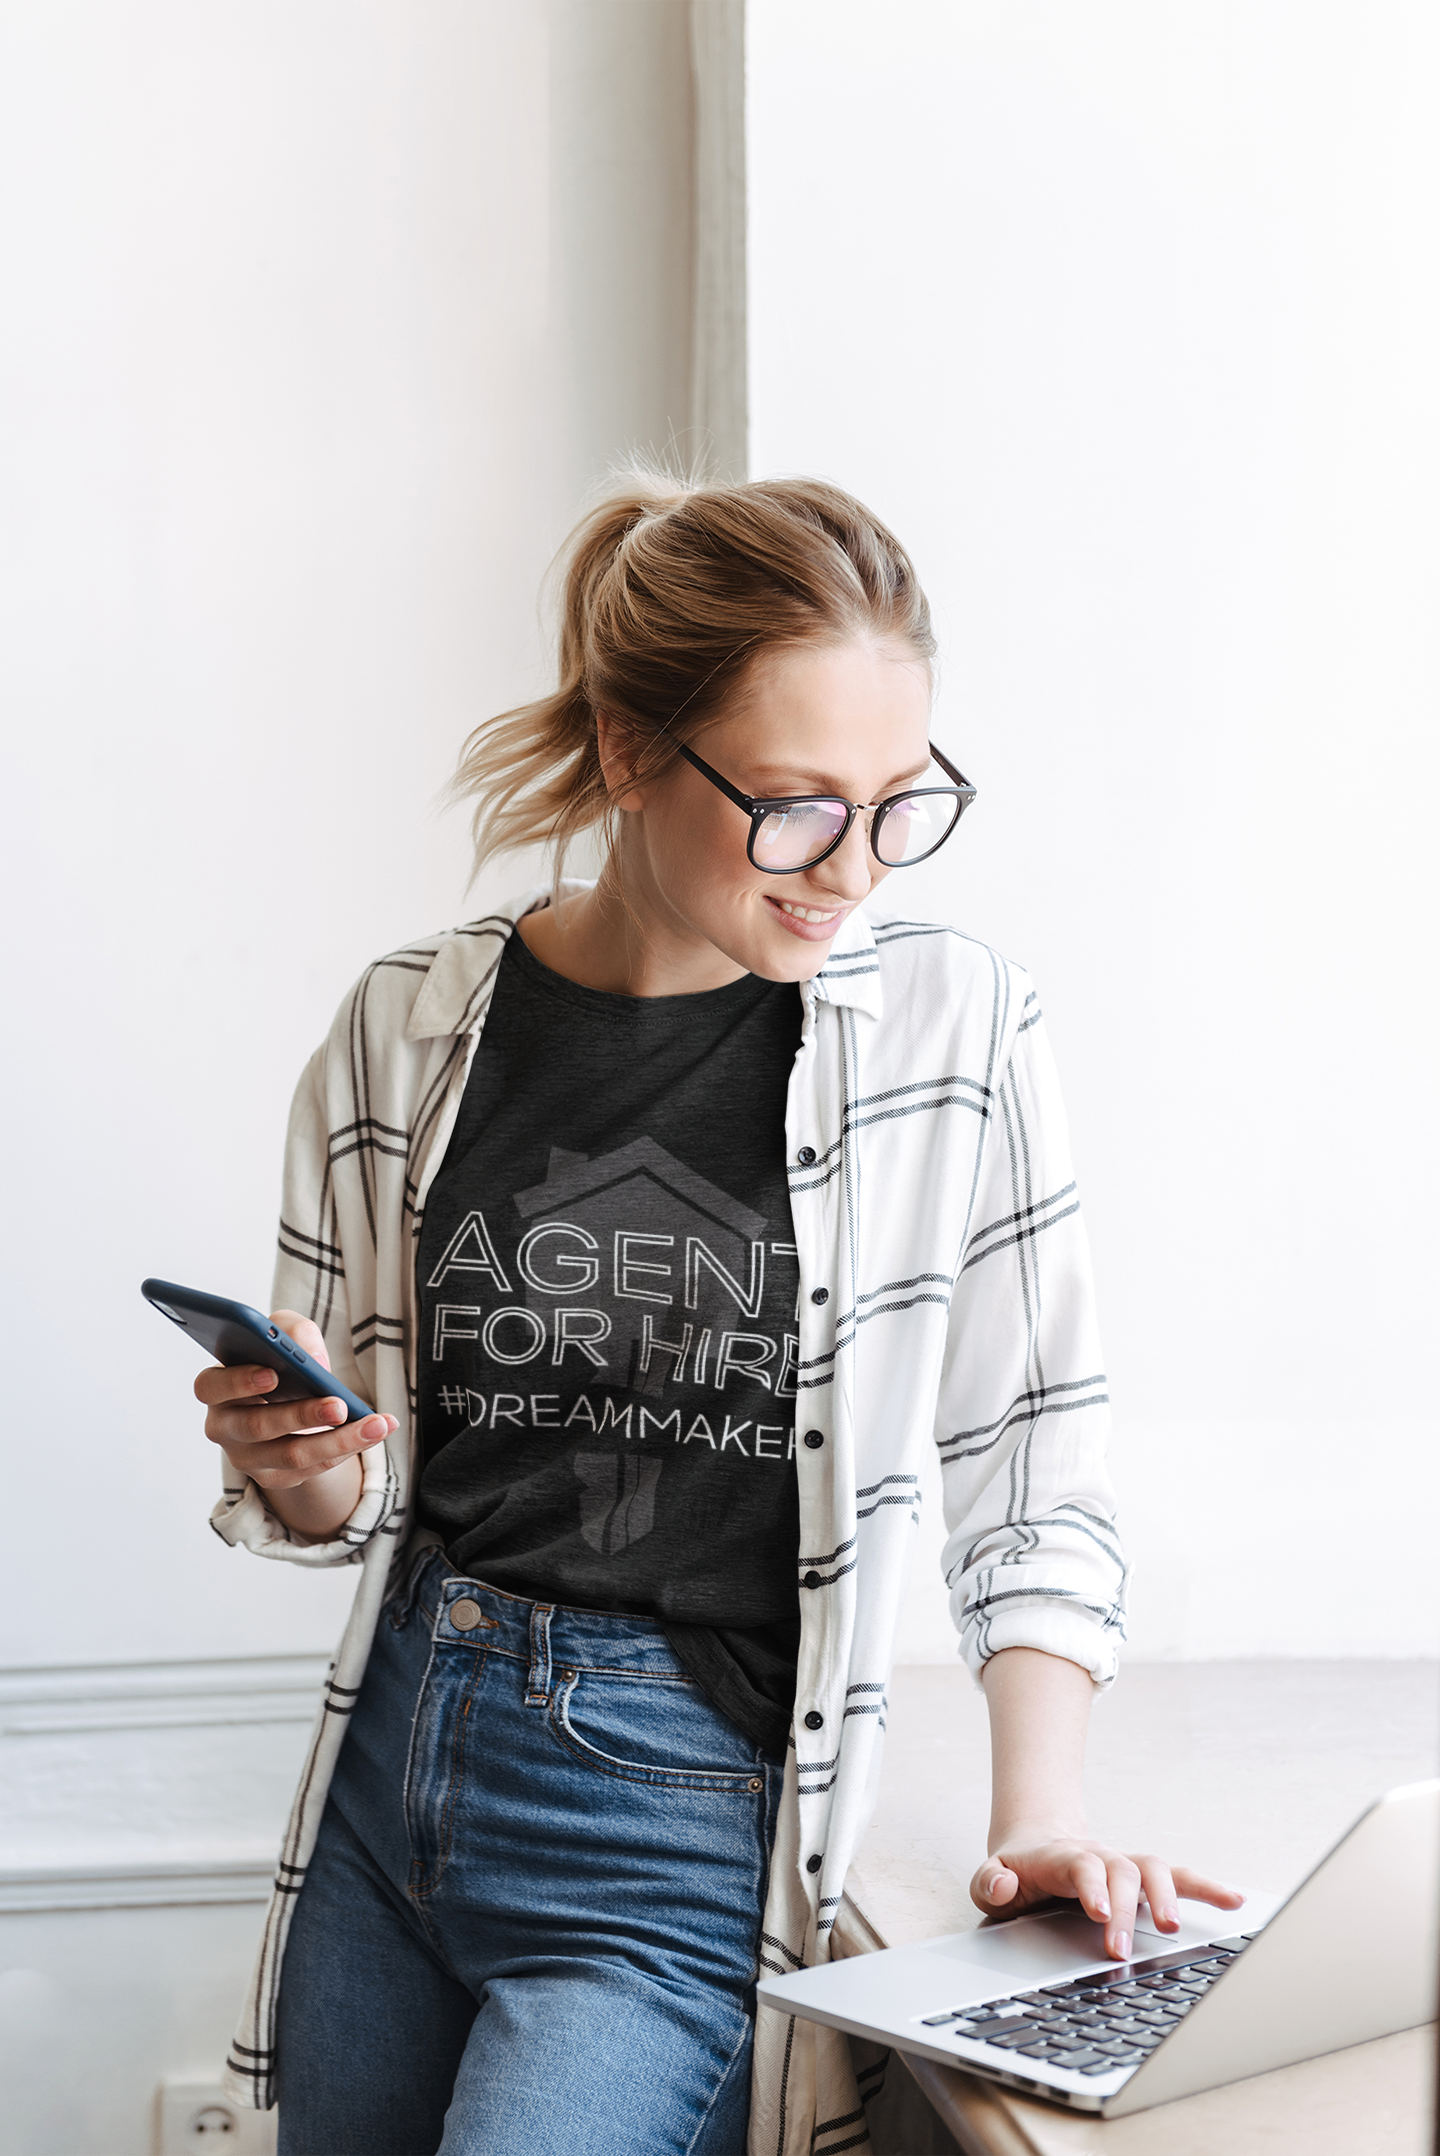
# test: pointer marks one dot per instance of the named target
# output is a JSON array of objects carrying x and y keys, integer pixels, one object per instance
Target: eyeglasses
[{"x": 797, "y": 831}]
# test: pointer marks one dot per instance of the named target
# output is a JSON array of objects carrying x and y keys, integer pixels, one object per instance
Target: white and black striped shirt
[{"x": 945, "y": 1298}]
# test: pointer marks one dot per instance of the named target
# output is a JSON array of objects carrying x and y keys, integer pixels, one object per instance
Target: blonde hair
[{"x": 670, "y": 592}]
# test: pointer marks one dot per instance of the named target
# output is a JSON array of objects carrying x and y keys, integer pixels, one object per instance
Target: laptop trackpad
[{"x": 1043, "y": 1949}]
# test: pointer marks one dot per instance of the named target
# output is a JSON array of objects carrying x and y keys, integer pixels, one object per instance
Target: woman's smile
[{"x": 815, "y": 924}]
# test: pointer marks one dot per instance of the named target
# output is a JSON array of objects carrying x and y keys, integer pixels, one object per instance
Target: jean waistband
[{"x": 545, "y": 1635}]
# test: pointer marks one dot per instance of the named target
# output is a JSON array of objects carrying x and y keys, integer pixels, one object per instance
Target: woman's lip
[{"x": 808, "y": 931}]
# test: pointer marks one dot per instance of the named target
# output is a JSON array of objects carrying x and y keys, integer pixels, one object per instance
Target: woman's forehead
[{"x": 823, "y": 712}]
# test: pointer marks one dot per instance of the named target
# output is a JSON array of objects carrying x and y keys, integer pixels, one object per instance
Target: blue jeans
[{"x": 531, "y": 1922}]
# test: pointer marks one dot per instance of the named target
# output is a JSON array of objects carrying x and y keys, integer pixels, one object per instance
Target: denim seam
[
  {"x": 588, "y": 1669},
  {"x": 743, "y": 2038},
  {"x": 419, "y": 1895},
  {"x": 602, "y": 1620},
  {"x": 722, "y": 1784}
]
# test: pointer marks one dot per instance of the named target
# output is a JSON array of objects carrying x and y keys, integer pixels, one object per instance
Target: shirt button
[
  {"x": 813, "y": 1864},
  {"x": 806, "y": 1156},
  {"x": 812, "y": 1579},
  {"x": 814, "y": 1440},
  {"x": 814, "y": 1720},
  {"x": 819, "y": 1295},
  {"x": 465, "y": 1614}
]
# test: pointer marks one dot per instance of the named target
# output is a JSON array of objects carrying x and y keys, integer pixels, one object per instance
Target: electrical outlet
[{"x": 197, "y": 2118}]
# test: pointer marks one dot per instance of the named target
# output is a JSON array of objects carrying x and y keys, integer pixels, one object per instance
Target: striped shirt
[{"x": 945, "y": 1298}]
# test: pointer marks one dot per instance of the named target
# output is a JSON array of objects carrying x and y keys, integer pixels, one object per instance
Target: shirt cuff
[
  {"x": 1072, "y": 1622},
  {"x": 243, "y": 1519}
]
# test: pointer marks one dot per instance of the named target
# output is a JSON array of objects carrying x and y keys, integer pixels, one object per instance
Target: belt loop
[{"x": 537, "y": 1689}]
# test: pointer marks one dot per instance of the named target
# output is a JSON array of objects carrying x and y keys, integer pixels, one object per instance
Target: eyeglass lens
[
  {"x": 914, "y": 826},
  {"x": 789, "y": 837},
  {"x": 911, "y": 827}
]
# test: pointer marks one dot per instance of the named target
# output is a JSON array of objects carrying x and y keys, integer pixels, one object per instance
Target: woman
[{"x": 665, "y": 1221}]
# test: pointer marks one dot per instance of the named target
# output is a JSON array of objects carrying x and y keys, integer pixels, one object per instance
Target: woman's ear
[{"x": 617, "y": 763}]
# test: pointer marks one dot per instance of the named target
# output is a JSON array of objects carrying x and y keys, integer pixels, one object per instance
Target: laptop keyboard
[{"x": 1098, "y": 2023}]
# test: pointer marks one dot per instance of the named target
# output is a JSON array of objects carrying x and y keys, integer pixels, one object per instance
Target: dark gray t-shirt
[{"x": 608, "y": 1321}]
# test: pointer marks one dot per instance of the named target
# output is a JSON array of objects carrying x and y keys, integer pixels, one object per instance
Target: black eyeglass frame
[{"x": 758, "y": 809}]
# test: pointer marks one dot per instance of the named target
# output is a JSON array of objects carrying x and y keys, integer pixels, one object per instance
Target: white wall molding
[
  {"x": 131, "y": 1785},
  {"x": 160, "y": 1695},
  {"x": 720, "y": 414},
  {"x": 127, "y": 1882}
]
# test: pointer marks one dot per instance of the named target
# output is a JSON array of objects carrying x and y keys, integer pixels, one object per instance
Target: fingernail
[
  {"x": 1122, "y": 1946},
  {"x": 1103, "y": 1907},
  {"x": 1169, "y": 1914},
  {"x": 264, "y": 1379}
]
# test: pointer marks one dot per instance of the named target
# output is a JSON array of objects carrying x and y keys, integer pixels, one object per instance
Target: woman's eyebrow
[{"x": 819, "y": 782}]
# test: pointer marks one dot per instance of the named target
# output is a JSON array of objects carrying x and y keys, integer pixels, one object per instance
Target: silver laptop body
[{"x": 1350, "y": 1955}]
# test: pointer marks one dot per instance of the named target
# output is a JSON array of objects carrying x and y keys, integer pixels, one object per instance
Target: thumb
[
  {"x": 994, "y": 1885},
  {"x": 305, "y": 1333}
]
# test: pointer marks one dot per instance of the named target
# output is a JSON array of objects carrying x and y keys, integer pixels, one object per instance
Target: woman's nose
[{"x": 847, "y": 872}]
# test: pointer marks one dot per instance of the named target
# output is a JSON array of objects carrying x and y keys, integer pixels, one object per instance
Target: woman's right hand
[{"x": 303, "y": 1455}]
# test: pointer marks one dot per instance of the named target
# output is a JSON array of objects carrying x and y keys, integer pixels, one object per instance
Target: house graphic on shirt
[{"x": 660, "y": 1273}]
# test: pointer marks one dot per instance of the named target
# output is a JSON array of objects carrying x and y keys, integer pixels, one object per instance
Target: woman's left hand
[{"x": 1032, "y": 1866}]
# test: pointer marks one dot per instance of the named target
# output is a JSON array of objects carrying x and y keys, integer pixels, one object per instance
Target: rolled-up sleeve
[
  {"x": 310, "y": 1278},
  {"x": 1032, "y": 1557}
]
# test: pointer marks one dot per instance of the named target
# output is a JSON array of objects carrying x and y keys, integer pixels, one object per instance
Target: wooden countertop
[{"x": 1248, "y": 1770}]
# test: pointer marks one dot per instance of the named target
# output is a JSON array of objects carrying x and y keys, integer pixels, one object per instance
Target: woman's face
[{"x": 851, "y": 720}]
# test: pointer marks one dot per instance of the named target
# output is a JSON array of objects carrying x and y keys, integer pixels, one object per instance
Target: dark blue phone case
[{"x": 235, "y": 1334}]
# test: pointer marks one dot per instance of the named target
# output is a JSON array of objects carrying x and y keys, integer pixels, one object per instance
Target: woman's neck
[{"x": 624, "y": 943}]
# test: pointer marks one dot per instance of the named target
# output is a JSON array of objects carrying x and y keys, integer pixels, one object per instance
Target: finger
[
  {"x": 1158, "y": 1886},
  {"x": 221, "y": 1382},
  {"x": 256, "y": 1424},
  {"x": 1089, "y": 1882},
  {"x": 1111, "y": 1894},
  {"x": 300, "y": 1457},
  {"x": 994, "y": 1885},
  {"x": 305, "y": 1333},
  {"x": 1195, "y": 1887},
  {"x": 1123, "y": 1874}
]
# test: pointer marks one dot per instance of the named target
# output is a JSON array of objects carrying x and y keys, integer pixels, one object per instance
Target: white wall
[
  {"x": 315, "y": 321},
  {"x": 1126, "y": 318}
]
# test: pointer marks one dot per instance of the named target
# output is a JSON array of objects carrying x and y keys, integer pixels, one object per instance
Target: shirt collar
[
  {"x": 455, "y": 993},
  {"x": 850, "y": 976},
  {"x": 456, "y": 990}
]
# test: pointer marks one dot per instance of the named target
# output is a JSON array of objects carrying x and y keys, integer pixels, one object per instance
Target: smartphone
[{"x": 235, "y": 1334}]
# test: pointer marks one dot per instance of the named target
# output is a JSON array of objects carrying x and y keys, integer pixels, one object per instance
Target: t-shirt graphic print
[
  {"x": 643, "y": 1292},
  {"x": 617, "y": 1503},
  {"x": 608, "y": 1357}
]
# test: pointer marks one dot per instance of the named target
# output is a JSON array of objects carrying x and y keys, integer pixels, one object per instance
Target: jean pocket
[{"x": 660, "y": 1730}]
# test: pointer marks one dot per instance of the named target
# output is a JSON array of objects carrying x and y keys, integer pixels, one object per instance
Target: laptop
[{"x": 1034, "y": 2003}]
